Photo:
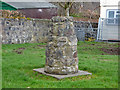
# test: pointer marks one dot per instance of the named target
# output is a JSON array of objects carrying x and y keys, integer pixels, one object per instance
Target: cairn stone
[{"x": 61, "y": 50}]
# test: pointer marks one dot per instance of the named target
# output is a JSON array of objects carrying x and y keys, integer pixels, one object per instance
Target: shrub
[{"x": 11, "y": 14}]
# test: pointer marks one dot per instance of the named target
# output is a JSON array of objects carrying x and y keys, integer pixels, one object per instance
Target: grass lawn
[{"x": 18, "y": 60}]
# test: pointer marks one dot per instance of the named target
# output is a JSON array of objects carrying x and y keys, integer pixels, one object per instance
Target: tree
[{"x": 66, "y": 6}]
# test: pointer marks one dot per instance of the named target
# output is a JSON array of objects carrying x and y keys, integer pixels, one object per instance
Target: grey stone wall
[
  {"x": 85, "y": 30},
  {"x": 24, "y": 31},
  {"x": 13, "y": 31}
]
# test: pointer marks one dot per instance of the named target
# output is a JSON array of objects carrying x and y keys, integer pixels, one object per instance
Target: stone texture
[
  {"x": 80, "y": 72},
  {"x": 16, "y": 31},
  {"x": 61, "y": 50},
  {"x": 24, "y": 31}
]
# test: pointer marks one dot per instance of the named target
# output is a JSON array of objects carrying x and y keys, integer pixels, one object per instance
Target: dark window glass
[
  {"x": 117, "y": 16},
  {"x": 110, "y": 21},
  {"x": 117, "y": 21},
  {"x": 118, "y": 12},
  {"x": 111, "y": 14}
]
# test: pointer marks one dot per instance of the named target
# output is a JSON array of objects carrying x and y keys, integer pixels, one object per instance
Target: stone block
[{"x": 79, "y": 73}]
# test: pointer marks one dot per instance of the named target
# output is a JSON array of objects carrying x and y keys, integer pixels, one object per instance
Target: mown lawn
[{"x": 18, "y": 60}]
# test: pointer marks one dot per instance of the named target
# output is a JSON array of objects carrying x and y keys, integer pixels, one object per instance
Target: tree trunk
[{"x": 67, "y": 12}]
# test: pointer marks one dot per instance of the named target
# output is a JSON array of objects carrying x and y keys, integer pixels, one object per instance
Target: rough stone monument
[{"x": 61, "y": 50}]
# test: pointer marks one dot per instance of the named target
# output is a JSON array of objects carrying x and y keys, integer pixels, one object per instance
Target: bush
[
  {"x": 86, "y": 14},
  {"x": 90, "y": 14},
  {"x": 11, "y": 14}
]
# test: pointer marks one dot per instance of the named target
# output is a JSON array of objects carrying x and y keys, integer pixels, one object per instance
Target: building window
[
  {"x": 111, "y": 14},
  {"x": 113, "y": 17}
]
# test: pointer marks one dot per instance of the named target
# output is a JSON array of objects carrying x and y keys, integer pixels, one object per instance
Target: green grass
[
  {"x": 80, "y": 15},
  {"x": 17, "y": 68},
  {"x": 0, "y": 67}
]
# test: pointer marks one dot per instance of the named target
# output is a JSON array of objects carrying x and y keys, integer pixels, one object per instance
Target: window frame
[{"x": 115, "y": 18}]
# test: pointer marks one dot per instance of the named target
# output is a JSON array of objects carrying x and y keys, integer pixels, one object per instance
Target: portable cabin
[{"x": 109, "y": 21}]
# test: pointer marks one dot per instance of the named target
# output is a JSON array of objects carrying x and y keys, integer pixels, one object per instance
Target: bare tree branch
[
  {"x": 61, "y": 5},
  {"x": 71, "y": 3}
]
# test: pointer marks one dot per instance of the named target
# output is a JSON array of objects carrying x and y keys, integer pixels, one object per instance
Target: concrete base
[{"x": 80, "y": 72}]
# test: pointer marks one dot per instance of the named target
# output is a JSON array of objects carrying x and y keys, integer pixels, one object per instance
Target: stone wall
[
  {"x": 85, "y": 30},
  {"x": 15, "y": 31},
  {"x": 24, "y": 31}
]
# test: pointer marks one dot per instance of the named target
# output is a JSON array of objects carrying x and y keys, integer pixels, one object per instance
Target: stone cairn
[{"x": 61, "y": 50}]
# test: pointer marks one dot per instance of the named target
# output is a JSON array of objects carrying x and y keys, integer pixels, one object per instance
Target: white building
[{"x": 109, "y": 22}]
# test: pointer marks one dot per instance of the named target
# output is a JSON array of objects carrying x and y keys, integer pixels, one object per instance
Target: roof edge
[{"x": 9, "y": 5}]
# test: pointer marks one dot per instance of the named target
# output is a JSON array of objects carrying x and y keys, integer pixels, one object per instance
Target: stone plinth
[
  {"x": 80, "y": 72},
  {"x": 61, "y": 50}
]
